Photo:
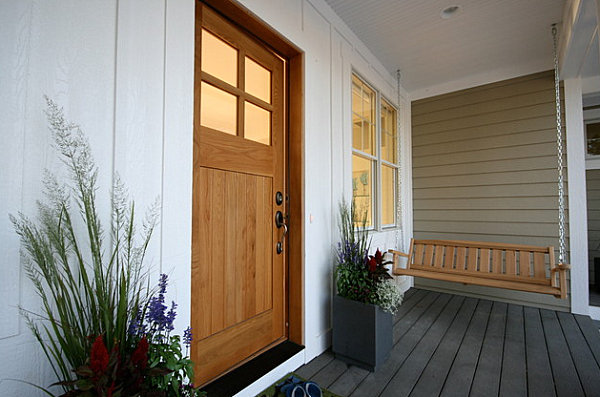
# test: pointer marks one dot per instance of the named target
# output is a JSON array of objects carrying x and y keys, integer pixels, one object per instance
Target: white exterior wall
[{"x": 124, "y": 70}]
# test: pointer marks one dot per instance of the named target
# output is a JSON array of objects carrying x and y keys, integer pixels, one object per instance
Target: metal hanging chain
[
  {"x": 399, "y": 217},
  {"x": 559, "y": 146}
]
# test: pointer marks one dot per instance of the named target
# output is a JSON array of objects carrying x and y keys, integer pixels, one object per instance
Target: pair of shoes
[{"x": 295, "y": 387}]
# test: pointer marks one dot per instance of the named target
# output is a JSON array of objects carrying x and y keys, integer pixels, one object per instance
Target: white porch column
[
  {"x": 577, "y": 196},
  {"x": 598, "y": 22}
]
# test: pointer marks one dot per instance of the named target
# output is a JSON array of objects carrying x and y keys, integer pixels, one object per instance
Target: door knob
[{"x": 280, "y": 223}]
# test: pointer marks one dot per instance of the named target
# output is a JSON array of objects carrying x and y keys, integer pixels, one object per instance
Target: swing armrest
[
  {"x": 396, "y": 263},
  {"x": 392, "y": 251},
  {"x": 561, "y": 267}
]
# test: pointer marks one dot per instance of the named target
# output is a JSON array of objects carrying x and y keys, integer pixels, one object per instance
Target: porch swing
[{"x": 509, "y": 266}]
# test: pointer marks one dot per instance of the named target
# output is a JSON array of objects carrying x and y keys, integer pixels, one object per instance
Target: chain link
[
  {"x": 559, "y": 146},
  {"x": 399, "y": 214}
]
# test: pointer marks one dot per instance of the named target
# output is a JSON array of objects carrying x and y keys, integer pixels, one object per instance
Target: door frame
[{"x": 294, "y": 272}]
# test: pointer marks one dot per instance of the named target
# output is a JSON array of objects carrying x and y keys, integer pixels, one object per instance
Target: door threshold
[{"x": 251, "y": 371}]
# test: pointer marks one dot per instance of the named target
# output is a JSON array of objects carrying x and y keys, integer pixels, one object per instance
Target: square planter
[{"x": 362, "y": 333}]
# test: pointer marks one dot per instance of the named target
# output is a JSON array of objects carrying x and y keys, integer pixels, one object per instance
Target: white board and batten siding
[
  {"x": 124, "y": 70},
  {"x": 484, "y": 169}
]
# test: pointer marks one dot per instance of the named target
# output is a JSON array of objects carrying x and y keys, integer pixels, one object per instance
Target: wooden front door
[{"x": 238, "y": 271}]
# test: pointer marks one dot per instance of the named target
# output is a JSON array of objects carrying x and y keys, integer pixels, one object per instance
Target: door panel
[{"x": 239, "y": 296}]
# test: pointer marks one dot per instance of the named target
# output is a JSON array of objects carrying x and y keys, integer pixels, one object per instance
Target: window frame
[{"x": 377, "y": 158}]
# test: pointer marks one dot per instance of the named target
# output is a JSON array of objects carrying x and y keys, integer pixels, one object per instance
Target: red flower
[
  {"x": 378, "y": 256},
  {"x": 140, "y": 355},
  {"x": 110, "y": 390},
  {"x": 99, "y": 356},
  {"x": 372, "y": 264}
]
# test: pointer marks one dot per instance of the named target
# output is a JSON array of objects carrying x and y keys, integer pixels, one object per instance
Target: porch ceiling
[{"x": 484, "y": 38}]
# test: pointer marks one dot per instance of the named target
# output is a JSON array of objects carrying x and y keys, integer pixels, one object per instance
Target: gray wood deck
[{"x": 451, "y": 345}]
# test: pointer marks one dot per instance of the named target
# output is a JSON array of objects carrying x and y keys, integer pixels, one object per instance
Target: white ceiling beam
[{"x": 579, "y": 26}]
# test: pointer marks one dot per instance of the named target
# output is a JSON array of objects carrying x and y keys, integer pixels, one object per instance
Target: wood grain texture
[
  {"x": 238, "y": 278},
  {"x": 296, "y": 205},
  {"x": 510, "y": 266}
]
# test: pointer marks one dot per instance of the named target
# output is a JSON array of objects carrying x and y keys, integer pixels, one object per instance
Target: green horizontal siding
[{"x": 484, "y": 169}]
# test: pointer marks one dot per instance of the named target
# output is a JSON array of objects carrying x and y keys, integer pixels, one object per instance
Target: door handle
[{"x": 280, "y": 223}]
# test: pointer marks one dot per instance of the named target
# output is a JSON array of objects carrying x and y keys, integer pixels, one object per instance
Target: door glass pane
[
  {"x": 388, "y": 189},
  {"x": 219, "y": 58},
  {"x": 218, "y": 109},
  {"x": 388, "y": 133},
  {"x": 362, "y": 188},
  {"x": 257, "y": 80},
  {"x": 257, "y": 123}
]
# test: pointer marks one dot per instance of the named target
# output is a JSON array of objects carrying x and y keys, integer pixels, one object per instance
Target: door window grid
[
  {"x": 374, "y": 156},
  {"x": 232, "y": 104}
]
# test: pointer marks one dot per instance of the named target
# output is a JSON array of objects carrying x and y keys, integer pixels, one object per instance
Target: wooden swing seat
[{"x": 510, "y": 266}]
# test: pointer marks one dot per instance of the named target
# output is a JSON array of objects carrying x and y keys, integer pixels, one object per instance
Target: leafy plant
[
  {"x": 111, "y": 375},
  {"x": 155, "y": 324},
  {"x": 360, "y": 276},
  {"x": 89, "y": 284},
  {"x": 352, "y": 276}
]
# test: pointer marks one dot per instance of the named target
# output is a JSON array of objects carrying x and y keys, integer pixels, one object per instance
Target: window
[
  {"x": 236, "y": 89},
  {"x": 592, "y": 135},
  {"x": 374, "y": 156}
]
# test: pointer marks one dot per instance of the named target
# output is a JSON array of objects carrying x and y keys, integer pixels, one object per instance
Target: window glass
[
  {"x": 388, "y": 190},
  {"x": 592, "y": 131},
  {"x": 257, "y": 123},
  {"x": 362, "y": 187},
  {"x": 363, "y": 117},
  {"x": 257, "y": 80},
  {"x": 218, "y": 110},
  {"x": 388, "y": 133},
  {"x": 219, "y": 58}
]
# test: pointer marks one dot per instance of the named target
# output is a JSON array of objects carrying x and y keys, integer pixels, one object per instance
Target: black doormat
[{"x": 243, "y": 376}]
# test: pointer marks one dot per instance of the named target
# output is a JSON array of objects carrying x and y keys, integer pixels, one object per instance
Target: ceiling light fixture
[{"x": 450, "y": 11}]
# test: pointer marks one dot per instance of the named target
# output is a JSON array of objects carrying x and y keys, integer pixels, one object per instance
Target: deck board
[
  {"x": 376, "y": 381},
  {"x": 591, "y": 335},
  {"x": 449, "y": 345},
  {"x": 539, "y": 373},
  {"x": 584, "y": 361},
  {"x": 513, "y": 382},
  {"x": 460, "y": 377},
  {"x": 487, "y": 375},
  {"x": 566, "y": 380},
  {"x": 348, "y": 381},
  {"x": 408, "y": 374},
  {"x": 330, "y": 373},
  {"x": 434, "y": 375}
]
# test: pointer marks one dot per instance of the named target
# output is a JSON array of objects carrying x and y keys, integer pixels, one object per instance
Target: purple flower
[
  {"x": 170, "y": 317},
  {"x": 187, "y": 337},
  {"x": 156, "y": 312},
  {"x": 162, "y": 284},
  {"x": 137, "y": 326}
]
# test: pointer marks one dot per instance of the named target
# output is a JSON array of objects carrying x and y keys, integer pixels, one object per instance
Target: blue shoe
[
  {"x": 292, "y": 390},
  {"x": 312, "y": 389},
  {"x": 292, "y": 387}
]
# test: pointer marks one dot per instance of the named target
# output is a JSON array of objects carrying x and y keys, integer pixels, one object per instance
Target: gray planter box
[{"x": 362, "y": 333}]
